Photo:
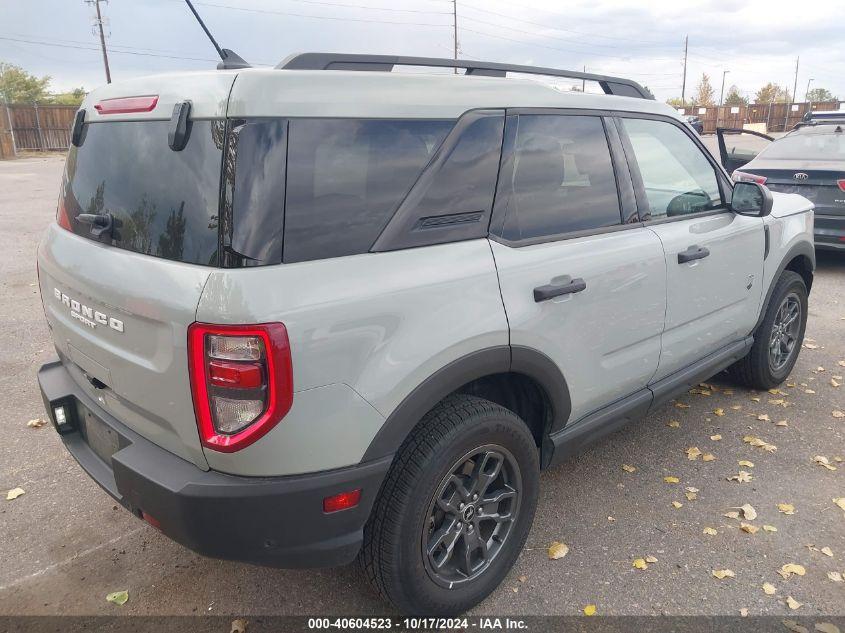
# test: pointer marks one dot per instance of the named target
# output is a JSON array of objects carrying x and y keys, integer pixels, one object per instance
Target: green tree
[
  {"x": 19, "y": 86},
  {"x": 704, "y": 93},
  {"x": 72, "y": 97},
  {"x": 675, "y": 102},
  {"x": 819, "y": 95},
  {"x": 733, "y": 98},
  {"x": 772, "y": 93}
]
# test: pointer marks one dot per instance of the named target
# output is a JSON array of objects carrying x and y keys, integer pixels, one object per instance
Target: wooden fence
[
  {"x": 33, "y": 127},
  {"x": 778, "y": 117}
]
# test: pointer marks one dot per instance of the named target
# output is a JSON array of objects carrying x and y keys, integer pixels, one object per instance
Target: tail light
[
  {"x": 841, "y": 184},
  {"x": 127, "y": 105},
  {"x": 742, "y": 176},
  {"x": 241, "y": 381},
  {"x": 62, "y": 218}
]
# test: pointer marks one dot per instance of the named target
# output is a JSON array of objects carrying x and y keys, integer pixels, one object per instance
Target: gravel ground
[{"x": 66, "y": 545}]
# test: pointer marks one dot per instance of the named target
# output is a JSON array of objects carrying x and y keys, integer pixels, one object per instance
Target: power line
[{"x": 89, "y": 48}]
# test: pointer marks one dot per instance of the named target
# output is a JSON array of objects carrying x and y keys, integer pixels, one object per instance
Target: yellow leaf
[
  {"x": 787, "y": 508},
  {"x": 522, "y": 578},
  {"x": 671, "y": 480},
  {"x": 118, "y": 597},
  {"x": 628, "y": 468},
  {"x": 826, "y": 551},
  {"x": 14, "y": 493},
  {"x": 782, "y": 423},
  {"x": 770, "y": 528},
  {"x": 774, "y": 392},
  {"x": 834, "y": 383},
  {"x": 723, "y": 573},
  {"x": 691, "y": 496},
  {"x": 710, "y": 531},
  {"x": 674, "y": 424},
  {"x": 840, "y": 501},
  {"x": 741, "y": 477},
  {"x": 650, "y": 559},
  {"x": 746, "y": 463},
  {"x": 755, "y": 398},
  {"x": 763, "y": 417},
  {"x": 792, "y": 603},
  {"x": 732, "y": 514},
  {"x": 693, "y": 453},
  {"x": 823, "y": 461},
  {"x": 681, "y": 405},
  {"x": 677, "y": 505},
  {"x": 728, "y": 392},
  {"x": 748, "y": 512},
  {"x": 748, "y": 528},
  {"x": 769, "y": 589},
  {"x": 835, "y": 576},
  {"x": 737, "y": 407},
  {"x": 716, "y": 437},
  {"x": 838, "y": 414},
  {"x": 708, "y": 457},
  {"x": 590, "y": 609},
  {"x": 792, "y": 568},
  {"x": 238, "y": 626},
  {"x": 558, "y": 550},
  {"x": 37, "y": 423},
  {"x": 720, "y": 412},
  {"x": 639, "y": 563}
]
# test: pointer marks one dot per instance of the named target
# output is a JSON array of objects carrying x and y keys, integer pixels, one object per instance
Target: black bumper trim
[{"x": 274, "y": 521}]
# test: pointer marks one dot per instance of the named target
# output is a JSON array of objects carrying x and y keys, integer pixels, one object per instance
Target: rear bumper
[
  {"x": 829, "y": 232},
  {"x": 275, "y": 521}
]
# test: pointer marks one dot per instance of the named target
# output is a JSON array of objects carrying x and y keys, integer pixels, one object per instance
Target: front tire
[
  {"x": 454, "y": 510},
  {"x": 778, "y": 340}
]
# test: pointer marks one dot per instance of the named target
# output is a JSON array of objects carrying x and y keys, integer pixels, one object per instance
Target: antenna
[{"x": 231, "y": 60}]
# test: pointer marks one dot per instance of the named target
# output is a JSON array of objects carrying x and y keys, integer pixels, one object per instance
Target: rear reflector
[
  {"x": 151, "y": 520},
  {"x": 241, "y": 381},
  {"x": 342, "y": 501},
  {"x": 126, "y": 105},
  {"x": 841, "y": 184},
  {"x": 742, "y": 176}
]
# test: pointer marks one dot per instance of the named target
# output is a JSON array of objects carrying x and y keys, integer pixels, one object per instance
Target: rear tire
[
  {"x": 432, "y": 546},
  {"x": 778, "y": 340}
]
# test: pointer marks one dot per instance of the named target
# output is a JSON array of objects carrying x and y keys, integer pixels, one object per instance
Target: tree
[
  {"x": 772, "y": 93},
  {"x": 733, "y": 97},
  {"x": 73, "y": 97},
  {"x": 18, "y": 86},
  {"x": 819, "y": 95},
  {"x": 675, "y": 102},
  {"x": 704, "y": 93}
]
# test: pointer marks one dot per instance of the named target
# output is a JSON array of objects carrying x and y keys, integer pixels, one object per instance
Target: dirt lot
[{"x": 65, "y": 544}]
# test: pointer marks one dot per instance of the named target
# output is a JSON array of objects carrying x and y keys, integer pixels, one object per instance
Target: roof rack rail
[{"x": 340, "y": 61}]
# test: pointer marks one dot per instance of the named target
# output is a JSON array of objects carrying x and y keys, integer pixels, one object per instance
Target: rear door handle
[
  {"x": 692, "y": 253},
  {"x": 550, "y": 291}
]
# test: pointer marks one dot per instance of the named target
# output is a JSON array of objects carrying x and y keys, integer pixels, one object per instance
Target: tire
[
  {"x": 407, "y": 517},
  {"x": 759, "y": 370}
]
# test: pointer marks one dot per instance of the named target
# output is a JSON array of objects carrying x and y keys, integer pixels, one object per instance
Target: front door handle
[
  {"x": 692, "y": 253},
  {"x": 550, "y": 291}
]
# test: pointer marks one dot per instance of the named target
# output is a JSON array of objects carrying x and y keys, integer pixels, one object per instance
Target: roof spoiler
[{"x": 385, "y": 63}]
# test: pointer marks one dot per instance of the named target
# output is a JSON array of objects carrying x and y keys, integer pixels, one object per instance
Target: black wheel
[
  {"x": 777, "y": 341},
  {"x": 454, "y": 510}
]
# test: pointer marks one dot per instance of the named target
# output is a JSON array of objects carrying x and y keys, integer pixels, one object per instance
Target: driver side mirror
[{"x": 751, "y": 198}]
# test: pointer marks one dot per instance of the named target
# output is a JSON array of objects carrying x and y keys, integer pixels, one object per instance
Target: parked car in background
[
  {"x": 695, "y": 122},
  {"x": 809, "y": 160}
]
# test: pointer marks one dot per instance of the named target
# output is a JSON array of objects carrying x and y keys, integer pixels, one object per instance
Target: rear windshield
[
  {"x": 163, "y": 203},
  {"x": 808, "y": 147}
]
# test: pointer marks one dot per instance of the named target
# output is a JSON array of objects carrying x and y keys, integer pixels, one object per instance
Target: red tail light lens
[
  {"x": 841, "y": 184},
  {"x": 742, "y": 176},
  {"x": 342, "y": 501},
  {"x": 126, "y": 105},
  {"x": 62, "y": 218},
  {"x": 241, "y": 381}
]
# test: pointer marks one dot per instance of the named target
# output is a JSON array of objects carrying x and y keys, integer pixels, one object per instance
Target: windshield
[{"x": 814, "y": 146}]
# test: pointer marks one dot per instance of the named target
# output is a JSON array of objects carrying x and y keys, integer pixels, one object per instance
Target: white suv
[{"x": 308, "y": 314}]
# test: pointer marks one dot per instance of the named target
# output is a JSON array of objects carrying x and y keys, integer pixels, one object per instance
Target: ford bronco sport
[{"x": 306, "y": 315}]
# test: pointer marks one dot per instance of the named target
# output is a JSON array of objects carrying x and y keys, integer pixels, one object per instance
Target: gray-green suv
[{"x": 306, "y": 315}]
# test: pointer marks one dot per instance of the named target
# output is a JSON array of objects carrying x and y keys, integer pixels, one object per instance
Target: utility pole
[
  {"x": 455, "y": 29},
  {"x": 684, "y": 84},
  {"x": 99, "y": 24},
  {"x": 807, "y": 94},
  {"x": 722, "y": 93},
  {"x": 792, "y": 100}
]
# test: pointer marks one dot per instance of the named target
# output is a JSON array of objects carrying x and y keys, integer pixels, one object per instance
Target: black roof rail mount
[{"x": 385, "y": 63}]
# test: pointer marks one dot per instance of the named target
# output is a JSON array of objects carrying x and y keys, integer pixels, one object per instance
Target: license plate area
[{"x": 102, "y": 439}]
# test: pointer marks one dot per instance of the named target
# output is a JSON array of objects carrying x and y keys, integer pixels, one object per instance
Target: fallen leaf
[
  {"x": 821, "y": 460},
  {"x": 708, "y": 457},
  {"x": 755, "y": 398},
  {"x": 710, "y": 531},
  {"x": 793, "y": 626},
  {"x": 811, "y": 346},
  {"x": 763, "y": 417},
  {"x": 118, "y": 597},
  {"x": 743, "y": 612},
  {"x": 681, "y": 405},
  {"x": 238, "y": 626},
  {"x": 841, "y": 363},
  {"x": 733, "y": 514},
  {"x": 671, "y": 480},
  {"x": 769, "y": 589},
  {"x": 791, "y": 568},
  {"x": 716, "y": 438},
  {"x": 792, "y": 603},
  {"x": 782, "y": 423},
  {"x": 723, "y": 573},
  {"x": 748, "y": 512},
  {"x": 748, "y": 528},
  {"x": 720, "y": 412},
  {"x": 37, "y": 423},
  {"x": 810, "y": 391},
  {"x": 742, "y": 477},
  {"x": 819, "y": 368},
  {"x": 827, "y": 627},
  {"x": 691, "y": 496},
  {"x": 835, "y": 576},
  {"x": 650, "y": 559},
  {"x": 737, "y": 407},
  {"x": 628, "y": 468},
  {"x": 693, "y": 453},
  {"x": 787, "y": 508},
  {"x": 673, "y": 424},
  {"x": 826, "y": 551},
  {"x": 746, "y": 463},
  {"x": 838, "y": 414},
  {"x": 840, "y": 501},
  {"x": 14, "y": 493},
  {"x": 639, "y": 563},
  {"x": 590, "y": 609},
  {"x": 522, "y": 578},
  {"x": 558, "y": 550},
  {"x": 677, "y": 505},
  {"x": 770, "y": 528},
  {"x": 835, "y": 383}
]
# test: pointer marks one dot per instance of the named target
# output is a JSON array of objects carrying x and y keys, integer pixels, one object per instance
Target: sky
[{"x": 756, "y": 41}]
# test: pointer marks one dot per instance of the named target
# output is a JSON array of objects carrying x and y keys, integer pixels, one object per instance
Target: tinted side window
[
  {"x": 677, "y": 177},
  {"x": 345, "y": 178},
  {"x": 562, "y": 178}
]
